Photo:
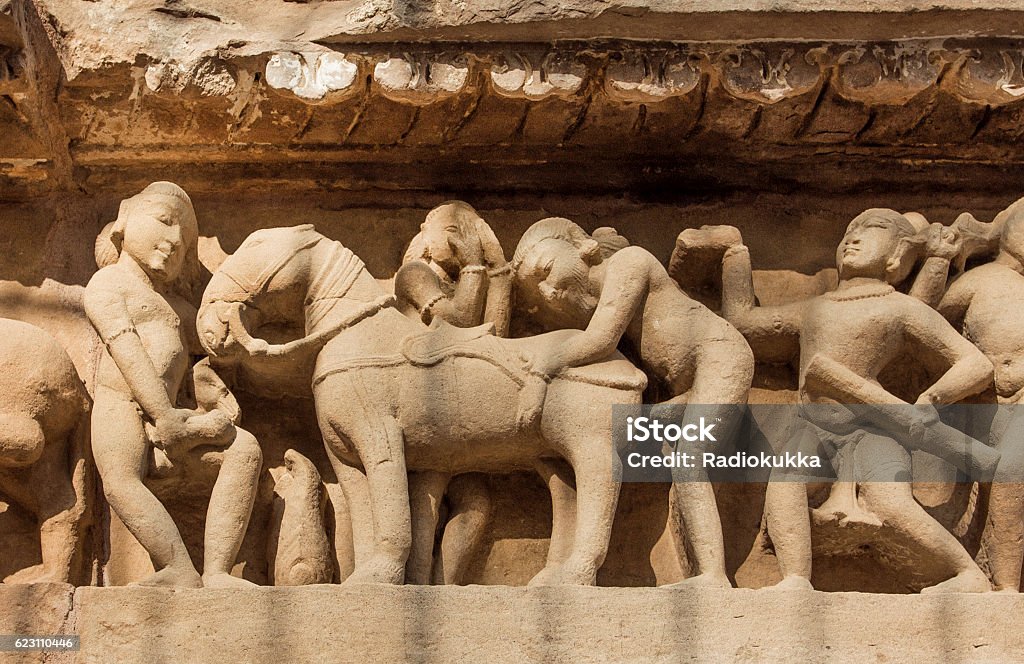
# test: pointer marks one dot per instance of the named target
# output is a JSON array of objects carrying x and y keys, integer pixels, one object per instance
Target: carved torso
[
  {"x": 860, "y": 329},
  {"x": 993, "y": 322},
  {"x": 158, "y": 321}
]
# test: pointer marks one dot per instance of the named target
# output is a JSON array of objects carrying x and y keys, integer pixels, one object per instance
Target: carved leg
[
  {"x": 380, "y": 444},
  {"x": 789, "y": 526},
  {"x": 597, "y": 469},
  {"x": 597, "y": 497},
  {"x": 121, "y": 451},
  {"x": 717, "y": 398},
  {"x": 359, "y": 528},
  {"x": 894, "y": 503},
  {"x": 230, "y": 508},
  {"x": 557, "y": 474},
  {"x": 1003, "y": 536},
  {"x": 470, "y": 512},
  {"x": 61, "y": 508},
  {"x": 426, "y": 489}
]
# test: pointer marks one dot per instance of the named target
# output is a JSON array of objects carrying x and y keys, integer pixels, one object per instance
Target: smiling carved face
[{"x": 157, "y": 232}]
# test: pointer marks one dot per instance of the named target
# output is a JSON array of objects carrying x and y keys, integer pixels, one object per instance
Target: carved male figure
[
  {"x": 844, "y": 339},
  {"x": 43, "y": 418},
  {"x": 562, "y": 281},
  {"x": 985, "y": 303},
  {"x": 135, "y": 302}
]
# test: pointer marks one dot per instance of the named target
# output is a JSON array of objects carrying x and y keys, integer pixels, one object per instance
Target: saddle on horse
[{"x": 443, "y": 340}]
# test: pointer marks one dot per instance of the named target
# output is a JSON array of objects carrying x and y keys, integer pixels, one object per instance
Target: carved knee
[
  {"x": 245, "y": 450},
  {"x": 21, "y": 440}
]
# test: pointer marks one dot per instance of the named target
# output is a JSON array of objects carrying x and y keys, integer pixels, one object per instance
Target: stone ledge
[{"x": 492, "y": 623}]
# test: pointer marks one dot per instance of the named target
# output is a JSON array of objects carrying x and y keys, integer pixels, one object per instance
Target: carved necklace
[{"x": 860, "y": 292}]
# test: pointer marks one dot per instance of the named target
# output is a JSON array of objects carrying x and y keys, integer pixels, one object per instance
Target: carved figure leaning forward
[
  {"x": 561, "y": 281},
  {"x": 135, "y": 302},
  {"x": 845, "y": 338}
]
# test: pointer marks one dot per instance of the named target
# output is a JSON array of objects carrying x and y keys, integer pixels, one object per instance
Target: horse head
[{"x": 264, "y": 282}]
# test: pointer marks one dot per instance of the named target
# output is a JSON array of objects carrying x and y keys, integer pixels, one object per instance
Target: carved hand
[
  {"x": 469, "y": 251},
  {"x": 182, "y": 427},
  {"x": 709, "y": 237},
  {"x": 943, "y": 242}
]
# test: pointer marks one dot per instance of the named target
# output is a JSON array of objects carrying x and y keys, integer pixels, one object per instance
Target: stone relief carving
[
  {"x": 438, "y": 396},
  {"x": 393, "y": 367},
  {"x": 135, "y": 301},
  {"x": 297, "y": 547},
  {"x": 981, "y": 303},
  {"x": 44, "y": 448},
  {"x": 843, "y": 339},
  {"x": 564, "y": 281}
]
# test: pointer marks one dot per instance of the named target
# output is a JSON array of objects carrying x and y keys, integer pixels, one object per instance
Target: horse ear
[{"x": 493, "y": 253}]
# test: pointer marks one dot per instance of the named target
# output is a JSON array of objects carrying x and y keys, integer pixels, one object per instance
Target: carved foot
[
  {"x": 792, "y": 582},
  {"x": 971, "y": 581},
  {"x": 173, "y": 577},
  {"x": 225, "y": 580},
  {"x": 702, "y": 581},
  {"x": 378, "y": 569},
  {"x": 34, "y": 574},
  {"x": 845, "y": 515},
  {"x": 565, "y": 574},
  {"x": 546, "y": 577}
]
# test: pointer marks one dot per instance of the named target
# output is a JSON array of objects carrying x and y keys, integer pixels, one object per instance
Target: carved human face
[
  {"x": 866, "y": 249},
  {"x": 555, "y": 284},
  {"x": 157, "y": 233},
  {"x": 450, "y": 239}
]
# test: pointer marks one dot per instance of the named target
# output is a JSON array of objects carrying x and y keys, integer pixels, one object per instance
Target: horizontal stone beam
[{"x": 481, "y": 623}]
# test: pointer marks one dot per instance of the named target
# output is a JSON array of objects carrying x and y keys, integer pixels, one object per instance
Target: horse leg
[
  {"x": 426, "y": 489},
  {"x": 557, "y": 474},
  {"x": 470, "y": 511},
  {"x": 597, "y": 488},
  {"x": 380, "y": 445},
  {"x": 356, "y": 491}
]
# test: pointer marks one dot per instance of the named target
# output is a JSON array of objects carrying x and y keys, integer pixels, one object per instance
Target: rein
[{"x": 336, "y": 277}]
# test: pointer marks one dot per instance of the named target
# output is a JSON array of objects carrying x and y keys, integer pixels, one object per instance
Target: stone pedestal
[{"x": 504, "y": 624}]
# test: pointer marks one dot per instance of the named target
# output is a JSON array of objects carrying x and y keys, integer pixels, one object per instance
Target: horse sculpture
[{"x": 393, "y": 395}]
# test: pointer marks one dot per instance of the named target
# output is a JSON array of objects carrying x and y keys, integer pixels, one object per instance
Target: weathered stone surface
[{"x": 535, "y": 625}]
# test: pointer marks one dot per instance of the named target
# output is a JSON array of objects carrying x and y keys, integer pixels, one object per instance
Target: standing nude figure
[
  {"x": 563, "y": 281},
  {"x": 844, "y": 339},
  {"x": 985, "y": 303},
  {"x": 135, "y": 303}
]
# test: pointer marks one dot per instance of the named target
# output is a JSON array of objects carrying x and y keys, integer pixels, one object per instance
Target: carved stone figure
[
  {"x": 562, "y": 280},
  {"x": 297, "y": 547},
  {"x": 844, "y": 339},
  {"x": 43, "y": 447},
  {"x": 454, "y": 270},
  {"x": 985, "y": 304},
  {"x": 392, "y": 396},
  {"x": 136, "y": 303}
]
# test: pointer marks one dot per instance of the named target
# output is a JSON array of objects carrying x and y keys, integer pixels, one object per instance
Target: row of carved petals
[{"x": 875, "y": 74}]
